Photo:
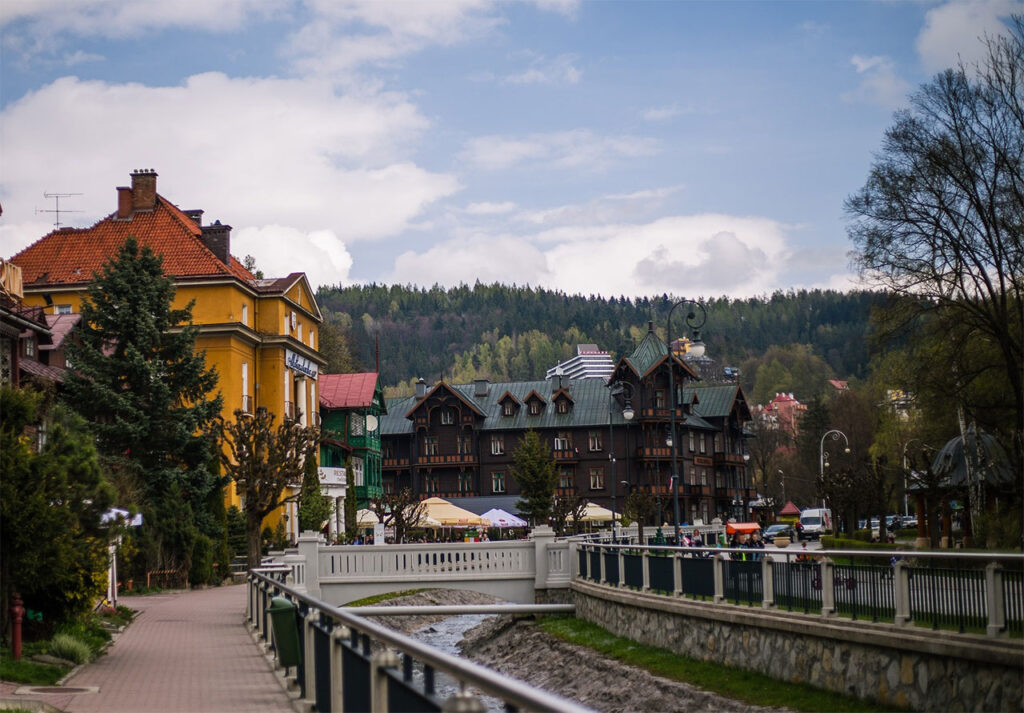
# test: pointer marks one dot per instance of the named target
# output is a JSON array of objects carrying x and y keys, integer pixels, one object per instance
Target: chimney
[
  {"x": 481, "y": 387},
  {"x": 217, "y": 238},
  {"x": 421, "y": 388},
  {"x": 650, "y": 325},
  {"x": 124, "y": 202},
  {"x": 143, "y": 189},
  {"x": 195, "y": 215}
]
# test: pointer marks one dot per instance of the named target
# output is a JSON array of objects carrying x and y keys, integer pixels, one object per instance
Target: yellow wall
[{"x": 233, "y": 345}]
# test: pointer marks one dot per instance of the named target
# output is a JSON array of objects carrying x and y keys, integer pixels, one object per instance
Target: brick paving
[{"x": 187, "y": 652}]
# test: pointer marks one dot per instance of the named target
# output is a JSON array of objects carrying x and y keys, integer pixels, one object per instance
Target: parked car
[
  {"x": 779, "y": 529},
  {"x": 910, "y": 521}
]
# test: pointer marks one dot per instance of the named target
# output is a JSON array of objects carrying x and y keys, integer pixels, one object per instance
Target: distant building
[
  {"x": 589, "y": 363},
  {"x": 783, "y": 412}
]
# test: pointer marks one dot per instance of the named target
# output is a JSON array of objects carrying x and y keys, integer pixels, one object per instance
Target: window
[
  {"x": 464, "y": 444},
  {"x": 357, "y": 471},
  {"x": 62, "y": 309},
  {"x": 594, "y": 440},
  {"x": 246, "y": 401},
  {"x": 563, "y": 441},
  {"x": 693, "y": 444},
  {"x": 659, "y": 398},
  {"x": 432, "y": 483},
  {"x": 703, "y": 443},
  {"x": 597, "y": 478},
  {"x": 447, "y": 416},
  {"x": 703, "y": 476},
  {"x": 430, "y": 445},
  {"x": 245, "y": 314},
  {"x": 566, "y": 477},
  {"x": 498, "y": 482},
  {"x": 465, "y": 482},
  {"x": 388, "y": 451},
  {"x": 357, "y": 424},
  {"x": 312, "y": 338},
  {"x": 719, "y": 480},
  {"x": 562, "y": 406},
  {"x": 30, "y": 347},
  {"x": 298, "y": 332},
  {"x": 497, "y": 445},
  {"x": 714, "y": 447},
  {"x": 389, "y": 487},
  {"x": 508, "y": 408},
  {"x": 534, "y": 407}
]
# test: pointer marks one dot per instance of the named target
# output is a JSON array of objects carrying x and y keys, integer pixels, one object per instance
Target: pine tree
[
  {"x": 314, "y": 506},
  {"x": 534, "y": 470},
  {"x": 146, "y": 392}
]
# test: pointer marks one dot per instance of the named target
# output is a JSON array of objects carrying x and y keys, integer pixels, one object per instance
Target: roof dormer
[
  {"x": 509, "y": 404},
  {"x": 563, "y": 401},
  {"x": 535, "y": 404}
]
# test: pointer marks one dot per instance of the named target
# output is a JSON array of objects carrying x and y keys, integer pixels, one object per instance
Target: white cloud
[
  {"x": 706, "y": 254},
  {"x": 486, "y": 208},
  {"x": 251, "y": 152},
  {"x": 320, "y": 254},
  {"x": 565, "y": 149},
  {"x": 880, "y": 84},
  {"x": 559, "y": 70},
  {"x": 953, "y": 31},
  {"x": 80, "y": 57},
  {"x": 664, "y": 113}
]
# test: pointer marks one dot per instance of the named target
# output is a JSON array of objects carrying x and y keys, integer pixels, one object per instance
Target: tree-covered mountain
[{"x": 502, "y": 332}]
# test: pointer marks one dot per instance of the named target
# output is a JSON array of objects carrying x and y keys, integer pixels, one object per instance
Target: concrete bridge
[{"x": 929, "y": 634}]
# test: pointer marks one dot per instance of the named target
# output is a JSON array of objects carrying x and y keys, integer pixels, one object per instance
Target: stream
[{"x": 445, "y": 635}]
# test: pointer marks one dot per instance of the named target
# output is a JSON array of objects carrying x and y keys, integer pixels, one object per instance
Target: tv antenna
[{"x": 56, "y": 206}]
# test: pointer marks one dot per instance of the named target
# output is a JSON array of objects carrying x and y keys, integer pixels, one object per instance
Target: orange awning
[{"x": 743, "y": 528}]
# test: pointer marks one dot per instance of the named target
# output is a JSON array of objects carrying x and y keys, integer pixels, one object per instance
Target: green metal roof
[
  {"x": 714, "y": 401},
  {"x": 649, "y": 352}
]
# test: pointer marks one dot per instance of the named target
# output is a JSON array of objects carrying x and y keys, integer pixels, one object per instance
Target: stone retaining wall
[{"x": 907, "y": 667}]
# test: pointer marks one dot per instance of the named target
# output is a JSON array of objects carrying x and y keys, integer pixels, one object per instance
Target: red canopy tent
[
  {"x": 743, "y": 528},
  {"x": 789, "y": 510}
]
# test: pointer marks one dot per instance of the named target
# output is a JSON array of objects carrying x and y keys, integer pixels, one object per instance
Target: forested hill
[{"x": 511, "y": 333}]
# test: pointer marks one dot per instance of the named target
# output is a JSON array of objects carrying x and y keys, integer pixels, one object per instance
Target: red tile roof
[
  {"x": 347, "y": 390},
  {"x": 72, "y": 255}
]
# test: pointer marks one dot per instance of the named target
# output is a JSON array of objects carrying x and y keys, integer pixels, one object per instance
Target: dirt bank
[{"x": 520, "y": 650}]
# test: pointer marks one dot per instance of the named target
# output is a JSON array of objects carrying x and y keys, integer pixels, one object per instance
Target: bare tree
[
  {"x": 940, "y": 220},
  {"x": 566, "y": 508},
  {"x": 263, "y": 460},
  {"x": 401, "y": 510}
]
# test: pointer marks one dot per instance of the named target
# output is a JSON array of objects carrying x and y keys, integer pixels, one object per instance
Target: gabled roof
[
  {"x": 717, "y": 401},
  {"x": 281, "y": 285},
  {"x": 509, "y": 395},
  {"x": 347, "y": 390},
  {"x": 534, "y": 396},
  {"x": 562, "y": 393},
  {"x": 650, "y": 353},
  {"x": 70, "y": 256},
  {"x": 448, "y": 388},
  {"x": 60, "y": 326}
]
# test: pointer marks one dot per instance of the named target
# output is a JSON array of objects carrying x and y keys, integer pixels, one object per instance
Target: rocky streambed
[{"x": 519, "y": 649}]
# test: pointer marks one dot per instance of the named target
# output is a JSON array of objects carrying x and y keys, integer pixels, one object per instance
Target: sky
[{"x": 698, "y": 149}]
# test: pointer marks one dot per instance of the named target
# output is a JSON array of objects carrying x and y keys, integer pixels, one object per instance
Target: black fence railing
[{"x": 937, "y": 590}]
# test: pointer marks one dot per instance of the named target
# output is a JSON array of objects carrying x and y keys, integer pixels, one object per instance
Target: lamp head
[
  {"x": 668, "y": 440},
  {"x": 846, "y": 450},
  {"x": 627, "y": 412}
]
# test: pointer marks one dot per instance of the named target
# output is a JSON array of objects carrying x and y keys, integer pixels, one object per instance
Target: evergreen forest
[{"x": 787, "y": 341}]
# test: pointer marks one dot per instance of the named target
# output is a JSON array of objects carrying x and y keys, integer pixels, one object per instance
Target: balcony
[
  {"x": 729, "y": 459},
  {"x": 566, "y": 455},
  {"x": 661, "y": 413},
  {"x": 654, "y": 452},
  {"x": 247, "y": 404},
  {"x": 396, "y": 462},
  {"x": 453, "y": 459}
]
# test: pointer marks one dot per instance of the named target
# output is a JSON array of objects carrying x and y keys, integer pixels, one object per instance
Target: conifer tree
[
  {"x": 534, "y": 470},
  {"x": 314, "y": 506},
  {"x": 146, "y": 393}
]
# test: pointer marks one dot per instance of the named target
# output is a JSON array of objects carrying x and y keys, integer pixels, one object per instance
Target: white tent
[{"x": 500, "y": 518}]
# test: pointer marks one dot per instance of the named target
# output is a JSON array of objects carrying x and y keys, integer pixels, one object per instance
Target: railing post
[
  {"x": 828, "y": 587},
  {"x": 677, "y": 574},
  {"x": 719, "y": 577},
  {"x": 901, "y": 592},
  {"x": 309, "y": 655},
  {"x": 379, "y": 662},
  {"x": 604, "y": 570},
  {"x": 645, "y": 562},
  {"x": 767, "y": 582},
  {"x": 338, "y": 636},
  {"x": 542, "y": 536},
  {"x": 309, "y": 550},
  {"x": 463, "y": 702},
  {"x": 996, "y": 601},
  {"x": 622, "y": 568}
]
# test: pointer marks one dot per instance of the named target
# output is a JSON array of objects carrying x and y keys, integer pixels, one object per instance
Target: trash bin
[{"x": 286, "y": 631}]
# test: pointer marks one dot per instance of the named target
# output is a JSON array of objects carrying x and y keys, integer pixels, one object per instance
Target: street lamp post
[
  {"x": 822, "y": 454},
  {"x": 694, "y": 322},
  {"x": 627, "y": 415}
]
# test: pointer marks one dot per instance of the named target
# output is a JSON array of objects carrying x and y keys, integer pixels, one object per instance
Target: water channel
[{"x": 445, "y": 635}]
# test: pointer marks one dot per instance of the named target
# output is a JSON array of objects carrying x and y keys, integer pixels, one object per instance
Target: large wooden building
[{"x": 457, "y": 440}]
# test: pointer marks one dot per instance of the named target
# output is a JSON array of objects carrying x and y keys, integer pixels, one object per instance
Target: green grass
[
  {"x": 30, "y": 672},
  {"x": 66, "y": 646},
  {"x": 739, "y": 684},
  {"x": 378, "y": 598}
]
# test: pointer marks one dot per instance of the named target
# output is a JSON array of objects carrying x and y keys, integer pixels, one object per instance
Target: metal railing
[
  {"x": 352, "y": 664},
  {"x": 964, "y": 592}
]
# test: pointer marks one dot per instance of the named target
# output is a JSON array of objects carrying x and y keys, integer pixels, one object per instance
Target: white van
[{"x": 816, "y": 522}]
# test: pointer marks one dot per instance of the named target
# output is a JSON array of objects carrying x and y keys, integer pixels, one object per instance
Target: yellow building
[{"x": 260, "y": 334}]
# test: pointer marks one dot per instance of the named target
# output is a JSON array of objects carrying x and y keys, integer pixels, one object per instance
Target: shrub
[
  {"x": 68, "y": 647},
  {"x": 201, "y": 571}
]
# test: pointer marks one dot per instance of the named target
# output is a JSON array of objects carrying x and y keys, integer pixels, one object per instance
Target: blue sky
[{"x": 693, "y": 148}]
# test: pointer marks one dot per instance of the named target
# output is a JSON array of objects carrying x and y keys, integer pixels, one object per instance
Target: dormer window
[
  {"x": 562, "y": 406},
  {"x": 508, "y": 409},
  {"x": 535, "y": 408}
]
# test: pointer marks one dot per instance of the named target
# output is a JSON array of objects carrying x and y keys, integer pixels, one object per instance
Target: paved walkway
[{"x": 187, "y": 652}]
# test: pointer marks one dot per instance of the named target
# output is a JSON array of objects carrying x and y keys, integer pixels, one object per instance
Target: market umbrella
[
  {"x": 500, "y": 518},
  {"x": 596, "y": 513},
  {"x": 449, "y": 515},
  {"x": 366, "y": 518}
]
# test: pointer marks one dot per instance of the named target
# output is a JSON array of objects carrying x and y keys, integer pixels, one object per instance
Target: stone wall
[{"x": 899, "y": 666}]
